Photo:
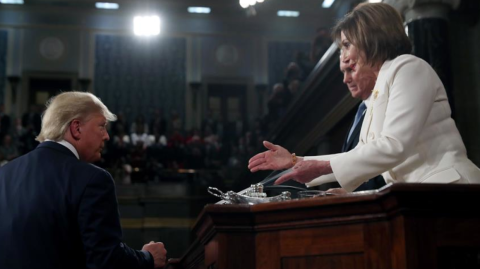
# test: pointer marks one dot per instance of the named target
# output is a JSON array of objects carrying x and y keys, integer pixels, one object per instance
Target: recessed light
[
  {"x": 146, "y": 25},
  {"x": 327, "y": 3},
  {"x": 204, "y": 10},
  {"x": 288, "y": 13},
  {"x": 105, "y": 5},
  {"x": 17, "y": 2}
]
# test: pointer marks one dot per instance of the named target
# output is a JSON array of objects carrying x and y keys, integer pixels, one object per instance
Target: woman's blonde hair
[
  {"x": 377, "y": 30},
  {"x": 64, "y": 108}
]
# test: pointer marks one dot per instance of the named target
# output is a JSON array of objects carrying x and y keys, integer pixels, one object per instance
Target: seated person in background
[
  {"x": 8, "y": 148},
  {"x": 5, "y": 122},
  {"x": 139, "y": 121},
  {"x": 408, "y": 134},
  {"x": 140, "y": 137},
  {"x": 320, "y": 45},
  {"x": 294, "y": 87},
  {"x": 292, "y": 73},
  {"x": 276, "y": 103},
  {"x": 57, "y": 209}
]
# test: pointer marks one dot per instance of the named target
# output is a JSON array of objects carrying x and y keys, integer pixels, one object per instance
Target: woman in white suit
[{"x": 407, "y": 134}]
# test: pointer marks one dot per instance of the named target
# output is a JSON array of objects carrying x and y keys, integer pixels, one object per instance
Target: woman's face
[{"x": 361, "y": 77}]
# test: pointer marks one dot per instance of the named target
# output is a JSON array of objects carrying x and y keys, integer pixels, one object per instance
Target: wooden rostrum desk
[{"x": 403, "y": 226}]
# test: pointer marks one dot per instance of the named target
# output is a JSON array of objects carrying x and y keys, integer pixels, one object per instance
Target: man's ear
[{"x": 75, "y": 129}]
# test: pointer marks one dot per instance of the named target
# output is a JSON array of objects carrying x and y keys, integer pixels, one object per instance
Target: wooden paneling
[
  {"x": 405, "y": 226},
  {"x": 329, "y": 240},
  {"x": 268, "y": 251},
  {"x": 398, "y": 244},
  {"x": 238, "y": 247},
  {"x": 377, "y": 245},
  {"x": 338, "y": 261}
]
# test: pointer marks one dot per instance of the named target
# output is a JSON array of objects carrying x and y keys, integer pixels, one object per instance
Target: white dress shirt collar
[
  {"x": 66, "y": 144},
  {"x": 368, "y": 101}
]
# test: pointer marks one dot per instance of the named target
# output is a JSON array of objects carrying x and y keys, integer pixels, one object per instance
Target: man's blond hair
[{"x": 64, "y": 108}]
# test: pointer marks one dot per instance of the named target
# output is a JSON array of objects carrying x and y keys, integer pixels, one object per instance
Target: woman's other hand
[
  {"x": 306, "y": 171},
  {"x": 275, "y": 158},
  {"x": 337, "y": 191}
]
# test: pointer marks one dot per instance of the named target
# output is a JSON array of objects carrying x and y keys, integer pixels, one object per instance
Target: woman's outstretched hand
[{"x": 275, "y": 158}]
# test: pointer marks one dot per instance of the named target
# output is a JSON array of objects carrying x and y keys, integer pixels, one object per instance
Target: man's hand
[
  {"x": 275, "y": 158},
  {"x": 306, "y": 171},
  {"x": 159, "y": 253}
]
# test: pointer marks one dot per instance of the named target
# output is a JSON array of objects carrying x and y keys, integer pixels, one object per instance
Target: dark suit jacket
[
  {"x": 373, "y": 183},
  {"x": 59, "y": 212}
]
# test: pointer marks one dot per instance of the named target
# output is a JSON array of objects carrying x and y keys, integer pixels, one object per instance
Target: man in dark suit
[
  {"x": 351, "y": 140},
  {"x": 56, "y": 209}
]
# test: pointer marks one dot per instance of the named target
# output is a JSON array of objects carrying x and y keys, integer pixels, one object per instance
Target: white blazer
[{"x": 407, "y": 134}]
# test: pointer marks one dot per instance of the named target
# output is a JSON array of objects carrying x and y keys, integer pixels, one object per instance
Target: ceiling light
[
  {"x": 260, "y": 1},
  {"x": 327, "y": 3},
  {"x": 244, "y": 3},
  {"x": 18, "y": 2},
  {"x": 205, "y": 10},
  {"x": 288, "y": 13},
  {"x": 374, "y": 1},
  {"x": 146, "y": 25},
  {"x": 104, "y": 5}
]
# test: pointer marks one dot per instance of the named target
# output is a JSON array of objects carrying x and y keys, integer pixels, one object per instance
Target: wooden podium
[{"x": 403, "y": 226}]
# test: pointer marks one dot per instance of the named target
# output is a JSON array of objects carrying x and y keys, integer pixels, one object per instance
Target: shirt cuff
[{"x": 149, "y": 258}]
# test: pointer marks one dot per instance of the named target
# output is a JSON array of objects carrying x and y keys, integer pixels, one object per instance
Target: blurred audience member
[
  {"x": 33, "y": 119},
  {"x": 209, "y": 122},
  {"x": 321, "y": 43},
  {"x": 158, "y": 124},
  {"x": 176, "y": 122},
  {"x": 140, "y": 137},
  {"x": 304, "y": 63},
  {"x": 294, "y": 87},
  {"x": 8, "y": 149},
  {"x": 139, "y": 121},
  {"x": 276, "y": 103},
  {"x": 120, "y": 121},
  {"x": 5, "y": 122}
]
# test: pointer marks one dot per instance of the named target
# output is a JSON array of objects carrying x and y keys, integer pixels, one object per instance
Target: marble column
[{"x": 427, "y": 24}]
